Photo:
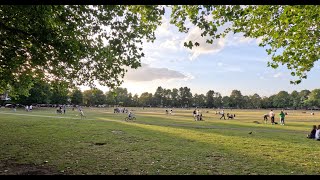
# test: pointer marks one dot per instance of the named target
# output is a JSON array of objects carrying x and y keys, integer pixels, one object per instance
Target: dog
[
  {"x": 230, "y": 116},
  {"x": 59, "y": 111},
  {"x": 265, "y": 118}
]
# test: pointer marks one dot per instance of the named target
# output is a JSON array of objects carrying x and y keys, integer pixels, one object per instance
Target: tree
[
  {"x": 40, "y": 93},
  {"x": 88, "y": 98},
  {"x": 226, "y": 101},
  {"x": 217, "y": 100},
  {"x": 314, "y": 98},
  {"x": 282, "y": 99},
  {"x": 99, "y": 97},
  {"x": 266, "y": 102},
  {"x": 129, "y": 100},
  {"x": 78, "y": 44},
  {"x": 121, "y": 96},
  {"x": 175, "y": 97},
  {"x": 167, "y": 97},
  {"x": 304, "y": 95},
  {"x": 110, "y": 98},
  {"x": 81, "y": 44},
  {"x": 210, "y": 98},
  {"x": 295, "y": 99},
  {"x": 135, "y": 100},
  {"x": 199, "y": 100},
  {"x": 76, "y": 97},
  {"x": 255, "y": 101},
  {"x": 236, "y": 99},
  {"x": 60, "y": 93},
  {"x": 185, "y": 96},
  {"x": 158, "y": 96},
  {"x": 145, "y": 99},
  {"x": 291, "y": 33},
  {"x": 246, "y": 102}
]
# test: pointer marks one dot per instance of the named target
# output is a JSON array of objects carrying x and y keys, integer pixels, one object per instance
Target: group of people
[
  {"x": 167, "y": 111},
  {"x": 61, "y": 109},
  {"x": 120, "y": 110},
  {"x": 271, "y": 114},
  {"x": 230, "y": 116},
  {"x": 315, "y": 133},
  {"x": 28, "y": 108},
  {"x": 197, "y": 115}
]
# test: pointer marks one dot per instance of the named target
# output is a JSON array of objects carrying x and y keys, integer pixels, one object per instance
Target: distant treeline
[{"x": 43, "y": 93}]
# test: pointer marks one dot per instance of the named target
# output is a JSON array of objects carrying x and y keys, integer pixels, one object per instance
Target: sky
[{"x": 230, "y": 63}]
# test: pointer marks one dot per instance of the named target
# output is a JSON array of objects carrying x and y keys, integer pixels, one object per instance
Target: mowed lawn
[{"x": 43, "y": 142}]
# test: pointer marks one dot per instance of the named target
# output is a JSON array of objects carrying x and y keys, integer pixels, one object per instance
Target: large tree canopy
[
  {"x": 81, "y": 44},
  {"x": 290, "y": 33}
]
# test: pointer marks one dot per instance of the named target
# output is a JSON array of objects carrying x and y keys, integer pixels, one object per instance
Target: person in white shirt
[
  {"x": 271, "y": 115},
  {"x": 222, "y": 115},
  {"x": 317, "y": 136}
]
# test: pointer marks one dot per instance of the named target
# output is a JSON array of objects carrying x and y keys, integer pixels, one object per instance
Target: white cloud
[
  {"x": 171, "y": 45},
  {"x": 165, "y": 30},
  {"x": 278, "y": 75},
  {"x": 147, "y": 73},
  {"x": 233, "y": 69},
  {"x": 204, "y": 48},
  {"x": 238, "y": 39},
  {"x": 259, "y": 40}
]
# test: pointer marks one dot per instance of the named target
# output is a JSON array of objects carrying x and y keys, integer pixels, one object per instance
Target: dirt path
[{"x": 12, "y": 168}]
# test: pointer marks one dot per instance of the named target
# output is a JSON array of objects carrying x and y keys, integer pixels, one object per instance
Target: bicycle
[{"x": 129, "y": 119}]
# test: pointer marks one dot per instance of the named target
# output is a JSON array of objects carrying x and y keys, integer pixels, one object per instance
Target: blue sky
[{"x": 234, "y": 62}]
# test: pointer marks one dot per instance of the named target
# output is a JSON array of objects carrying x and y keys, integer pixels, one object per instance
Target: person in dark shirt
[{"x": 312, "y": 133}]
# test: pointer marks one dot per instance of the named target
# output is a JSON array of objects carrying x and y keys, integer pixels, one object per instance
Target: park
[
  {"x": 43, "y": 142},
  {"x": 159, "y": 89}
]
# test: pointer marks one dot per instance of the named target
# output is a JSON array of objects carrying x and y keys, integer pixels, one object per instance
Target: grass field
[{"x": 42, "y": 142}]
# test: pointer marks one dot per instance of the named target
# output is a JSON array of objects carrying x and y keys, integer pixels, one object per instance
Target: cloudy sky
[{"x": 233, "y": 62}]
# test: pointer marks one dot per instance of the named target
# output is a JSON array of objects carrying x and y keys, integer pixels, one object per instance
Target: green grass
[{"x": 157, "y": 143}]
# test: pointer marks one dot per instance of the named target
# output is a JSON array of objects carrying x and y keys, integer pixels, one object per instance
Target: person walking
[
  {"x": 222, "y": 115},
  {"x": 271, "y": 115},
  {"x": 64, "y": 109}
]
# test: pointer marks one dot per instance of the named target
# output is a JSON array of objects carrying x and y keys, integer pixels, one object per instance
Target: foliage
[
  {"x": 60, "y": 93},
  {"x": 290, "y": 33},
  {"x": 76, "y": 97},
  {"x": 281, "y": 100},
  {"x": 236, "y": 99},
  {"x": 78, "y": 44},
  {"x": 40, "y": 93},
  {"x": 314, "y": 98}
]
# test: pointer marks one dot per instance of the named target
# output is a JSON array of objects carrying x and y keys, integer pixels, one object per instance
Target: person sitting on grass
[
  {"x": 200, "y": 117},
  {"x": 317, "y": 135},
  {"x": 312, "y": 133}
]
